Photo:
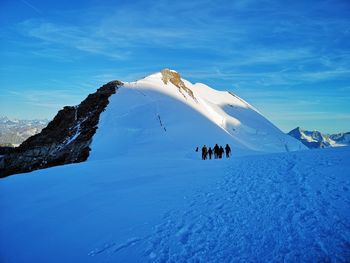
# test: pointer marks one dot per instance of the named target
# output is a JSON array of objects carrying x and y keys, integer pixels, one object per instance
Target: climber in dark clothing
[
  {"x": 216, "y": 151},
  {"x": 228, "y": 151},
  {"x": 221, "y": 151},
  {"x": 210, "y": 151},
  {"x": 204, "y": 152}
]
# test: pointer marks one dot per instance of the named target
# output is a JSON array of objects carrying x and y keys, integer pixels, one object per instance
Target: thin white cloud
[
  {"x": 31, "y": 6},
  {"x": 70, "y": 36},
  {"x": 47, "y": 98}
]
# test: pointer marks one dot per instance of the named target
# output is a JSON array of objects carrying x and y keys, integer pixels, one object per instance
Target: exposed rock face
[
  {"x": 5, "y": 149},
  {"x": 175, "y": 79},
  {"x": 65, "y": 140}
]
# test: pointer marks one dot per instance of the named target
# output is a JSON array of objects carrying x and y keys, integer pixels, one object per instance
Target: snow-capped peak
[
  {"x": 163, "y": 114},
  {"x": 164, "y": 111},
  {"x": 316, "y": 139}
]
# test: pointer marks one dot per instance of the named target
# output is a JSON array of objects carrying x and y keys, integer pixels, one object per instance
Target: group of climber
[{"x": 217, "y": 151}]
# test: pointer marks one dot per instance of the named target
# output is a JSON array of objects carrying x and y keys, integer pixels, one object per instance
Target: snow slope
[
  {"x": 151, "y": 116},
  {"x": 282, "y": 207}
]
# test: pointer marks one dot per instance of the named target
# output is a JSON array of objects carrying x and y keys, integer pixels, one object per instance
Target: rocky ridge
[{"x": 66, "y": 139}]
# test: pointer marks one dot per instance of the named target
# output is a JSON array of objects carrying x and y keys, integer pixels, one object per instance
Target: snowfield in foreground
[{"x": 282, "y": 207}]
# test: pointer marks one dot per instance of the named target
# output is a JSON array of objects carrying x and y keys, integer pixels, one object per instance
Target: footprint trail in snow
[{"x": 275, "y": 209}]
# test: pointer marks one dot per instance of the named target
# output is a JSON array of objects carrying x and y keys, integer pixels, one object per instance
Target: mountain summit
[
  {"x": 166, "y": 115},
  {"x": 160, "y": 115}
]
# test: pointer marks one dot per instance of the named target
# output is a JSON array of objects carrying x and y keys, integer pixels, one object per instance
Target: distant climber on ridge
[
  {"x": 210, "y": 152},
  {"x": 204, "y": 152},
  {"x": 221, "y": 151},
  {"x": 216, "y": 151},
  {"x": 227, "y": 150}
]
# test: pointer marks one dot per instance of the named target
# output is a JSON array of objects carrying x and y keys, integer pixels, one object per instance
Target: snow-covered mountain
[
  {"x": 316, "y": 139},
  {"x": 144, "y": 195},
  {"x": 14, "y": 132},
  {"x": 164, "y": 113},
  {"x": 161, "y": 114}
]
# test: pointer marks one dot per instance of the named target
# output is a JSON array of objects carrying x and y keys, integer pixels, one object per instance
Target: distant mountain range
[
  {"x": 13, "y": 132},
  {"x": 316, "y": 139}
]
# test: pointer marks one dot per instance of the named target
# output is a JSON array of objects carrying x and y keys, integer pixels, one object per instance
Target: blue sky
[{"x": 290, "y": 60}]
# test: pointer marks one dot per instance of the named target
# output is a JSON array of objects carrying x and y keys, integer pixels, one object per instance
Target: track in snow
[{"x": 274, "y": 209}]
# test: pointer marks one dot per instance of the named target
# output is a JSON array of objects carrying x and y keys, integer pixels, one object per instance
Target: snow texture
[{"x": 290, "y": 207}]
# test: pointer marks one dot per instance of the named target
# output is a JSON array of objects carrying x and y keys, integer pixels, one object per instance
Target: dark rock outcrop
[
  {"x": 66, "y": 139},
  {"x": 6, "y": 149}
]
